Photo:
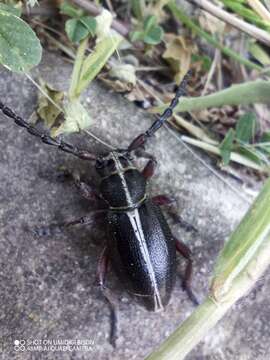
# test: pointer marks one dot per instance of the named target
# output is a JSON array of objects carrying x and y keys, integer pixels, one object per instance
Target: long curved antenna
[
  {"x": 142, "y": 138},
  {"x": 82, "y": 154}
]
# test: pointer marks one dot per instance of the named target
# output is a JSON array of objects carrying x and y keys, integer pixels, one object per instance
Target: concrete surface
[{"x": 47, "y": 286}]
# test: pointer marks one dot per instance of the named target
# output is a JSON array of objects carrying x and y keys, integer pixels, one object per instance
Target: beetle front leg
[
  {"x": 149, "y": 169},
  {"x": 102, "y": 270},
  {"x": 86, "y": 191},
  {"x": 184, "y": 250}
]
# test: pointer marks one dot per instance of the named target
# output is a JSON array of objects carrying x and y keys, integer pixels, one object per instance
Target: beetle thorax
[{"x": 122, "y": 185}]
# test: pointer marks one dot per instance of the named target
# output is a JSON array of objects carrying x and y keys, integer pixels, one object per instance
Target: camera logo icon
[{"x": 19, "y": 345}]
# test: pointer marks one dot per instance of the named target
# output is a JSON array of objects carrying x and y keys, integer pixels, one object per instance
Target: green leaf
[
  {"x": 136, "y": 35},
  {"x": 72, "y": 11},
  {"x": 149, "y": 22},
  {"x": 205, "y": 59},
  {"x": 97, "y": 59},
  {"x": 10, "y": 9},
  {"x": 79, "y": 29},
  {"x": 246, "y": 127},
  {"x": 137, "y": 8},
  {"x": 151, "y": 34},
  {"x": 90, "y": 23},
  {"x": 154, "y": 35},
  {"x": 265, "y": 139},
  {"x": 259, "y": 53},
  {"x": 76, "y": 119},
  {"x": 254, "y": 155},
  {"x": 226, "y": 146},
  {"x": 20, "y": 48}
]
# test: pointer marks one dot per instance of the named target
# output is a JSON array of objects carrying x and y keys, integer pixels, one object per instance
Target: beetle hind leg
[
  {"x": 102, "y": 270},
  {"x": 184, "y": 250}
]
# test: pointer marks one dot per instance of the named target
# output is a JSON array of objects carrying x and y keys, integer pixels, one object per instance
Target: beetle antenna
[
  {"x": 167, "y": 113},
  {"x": 82, "y": 154}
]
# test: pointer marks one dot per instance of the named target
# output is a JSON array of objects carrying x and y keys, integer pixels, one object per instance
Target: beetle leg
[
  {"x": 168, "y": 200},
  {"x": 184, "y": 250},
  {"x": 178, "y": 219},
  {"x": 86, "y": 190},
  {"x": 102, "y": 270},
  {"x": 84, "y": 220},
  {"x": 149, "y": 169},
  {"x": 52, "y": 229},
  {"x": 163, "y": 200}
]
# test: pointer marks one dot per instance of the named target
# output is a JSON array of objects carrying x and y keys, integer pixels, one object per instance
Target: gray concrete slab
[{"x": 47, "y": 286}]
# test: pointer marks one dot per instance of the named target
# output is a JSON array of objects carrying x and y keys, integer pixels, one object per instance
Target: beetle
[{"x": 141, "y": 246}]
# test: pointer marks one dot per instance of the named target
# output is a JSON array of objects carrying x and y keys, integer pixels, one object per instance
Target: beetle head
[{"x": 111, "y": 162}]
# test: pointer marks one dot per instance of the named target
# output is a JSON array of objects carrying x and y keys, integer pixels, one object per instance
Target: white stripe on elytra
[
  {"x": 120, "y": 172},
  {"x": 135, "y": 221},
  {"x": 134, "y": 218}
]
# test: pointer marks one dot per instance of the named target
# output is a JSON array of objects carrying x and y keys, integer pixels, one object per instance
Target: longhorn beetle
[{"x": 140, "y": 245}]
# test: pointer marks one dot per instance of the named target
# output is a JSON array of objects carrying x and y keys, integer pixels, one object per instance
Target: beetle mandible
[{"x": 141, "y": 246}]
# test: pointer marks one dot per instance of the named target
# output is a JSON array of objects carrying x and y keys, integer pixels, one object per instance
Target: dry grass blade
[
  {"x": 252, "y": 30},
  {"x": 260, "y": 9}
]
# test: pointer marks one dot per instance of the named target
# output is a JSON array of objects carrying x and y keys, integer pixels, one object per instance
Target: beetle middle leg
[
  {"x": 102, "y": 270},
  {"x": 57, "y": 228},
  {"x": 85, "y": 220},
  {"x": 168, "y": 200},
  {"x": 184, "y": 250}
]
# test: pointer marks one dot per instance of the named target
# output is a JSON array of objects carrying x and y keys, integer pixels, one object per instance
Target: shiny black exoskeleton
[{"x": 140, "y": 244}]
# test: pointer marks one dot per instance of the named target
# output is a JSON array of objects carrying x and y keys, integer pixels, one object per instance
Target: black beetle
[{"x": 141, "y": 246}]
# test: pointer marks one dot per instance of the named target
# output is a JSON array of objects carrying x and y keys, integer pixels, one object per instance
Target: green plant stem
[
  {"x": 77, "y": 68},
  {"x": 222, "y": 297},
  {"x": 181, "y": 16},
  {"x": 190, "y": 333},
  {"x": 243, "y": 94},
  {"x": 234, "y": 156}
]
